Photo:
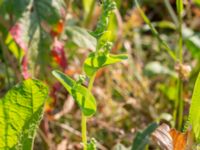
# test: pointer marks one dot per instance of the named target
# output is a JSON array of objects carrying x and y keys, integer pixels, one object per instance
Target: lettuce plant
[{"x": 100, "y": 58}]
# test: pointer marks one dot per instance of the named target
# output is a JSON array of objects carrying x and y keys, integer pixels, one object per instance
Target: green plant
[
  {"x": 96, "y": 60},
  {"x": 21, "y": 110}
]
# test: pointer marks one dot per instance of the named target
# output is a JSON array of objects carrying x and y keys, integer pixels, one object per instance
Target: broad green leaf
[
  {"x": 20, "y": 114},
  {"x": 179, "y": 6},
  {"x": 197, "y": 2},
  {"x": 81, "y": 37},
  {"x": 95, "y": 62},
  {"x": 142, "y": 138},
  {"x": 194, "y": 114},
  {"x": 81, "y": 95}
]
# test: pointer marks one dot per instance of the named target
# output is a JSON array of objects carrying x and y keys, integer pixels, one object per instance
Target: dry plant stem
[{"x": 84, "y": 118}]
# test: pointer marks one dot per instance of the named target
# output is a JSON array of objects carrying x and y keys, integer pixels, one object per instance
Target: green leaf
[
  {"x": 15, "y": 50},
  {"x": 81, "y": 95},
  {"x": 92, "y": 145},
  {"x": 20, "y": 113},
  {"x": 179, "y": 6},
  {"x": 194, "y": 114},
  {"x": 86, "y": 6},
  {"x": 94, "y": 62},
  {"x": 108, "y": 6},
  {"x": 81, "y": 37},
  {"x": 142, "y": 138}
]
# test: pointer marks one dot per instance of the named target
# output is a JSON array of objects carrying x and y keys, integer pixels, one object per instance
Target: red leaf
[
  {"x": 25, "y": 67},
  {"x": 59, "y": 54},
  {"x": 16, "y": 33},
  {"x": 57, "y": 29}
]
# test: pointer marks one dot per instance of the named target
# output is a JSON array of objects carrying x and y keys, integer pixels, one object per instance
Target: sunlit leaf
[
  {"x": 15, "y": 50},
  {"x": 194, "y": 114},
  {"x": 20, "y": 113},
  {"x": 95, "y": 62},
  {"x": 81, "y": 95}
]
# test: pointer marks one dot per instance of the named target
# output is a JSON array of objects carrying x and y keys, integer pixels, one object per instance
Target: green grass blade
[{"x": 155, "y": 32}]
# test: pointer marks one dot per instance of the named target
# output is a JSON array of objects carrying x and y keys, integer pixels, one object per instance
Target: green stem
[
  {"x": 84, "y": 130},
  {"x": 89, "y": 16},
  {"x": 181, "y": 104},
  {"x": 84, "y": 118},
  {"x": 180, "y": 82}
]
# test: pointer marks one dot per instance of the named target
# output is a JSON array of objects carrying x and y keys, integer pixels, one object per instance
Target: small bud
[{"x": 183, "y": 71}]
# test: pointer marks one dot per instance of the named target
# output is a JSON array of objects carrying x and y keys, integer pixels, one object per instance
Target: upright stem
[
  {"x": 90, "y": 13},
  {"x": 84, "y": 130},
  {"x": 84, "y": 118},
  {"x": 180, "y": 82}
]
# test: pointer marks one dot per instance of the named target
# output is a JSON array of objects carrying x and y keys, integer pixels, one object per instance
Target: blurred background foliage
[{"x": 39, "y": 36}]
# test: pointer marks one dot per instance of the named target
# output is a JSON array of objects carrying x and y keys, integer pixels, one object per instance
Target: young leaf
[
  {"x": 95, "y": 62},
  {"x": 108, "y": 7},
  {"x": 194, "y": 114},
  {"x": 92, "y": 145},
  {"x": 20, "y": 113},
  {"x": 81, "y": 37},
  {"x": 142, "y": 138},
  {"x": 81, "y": 95}
]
